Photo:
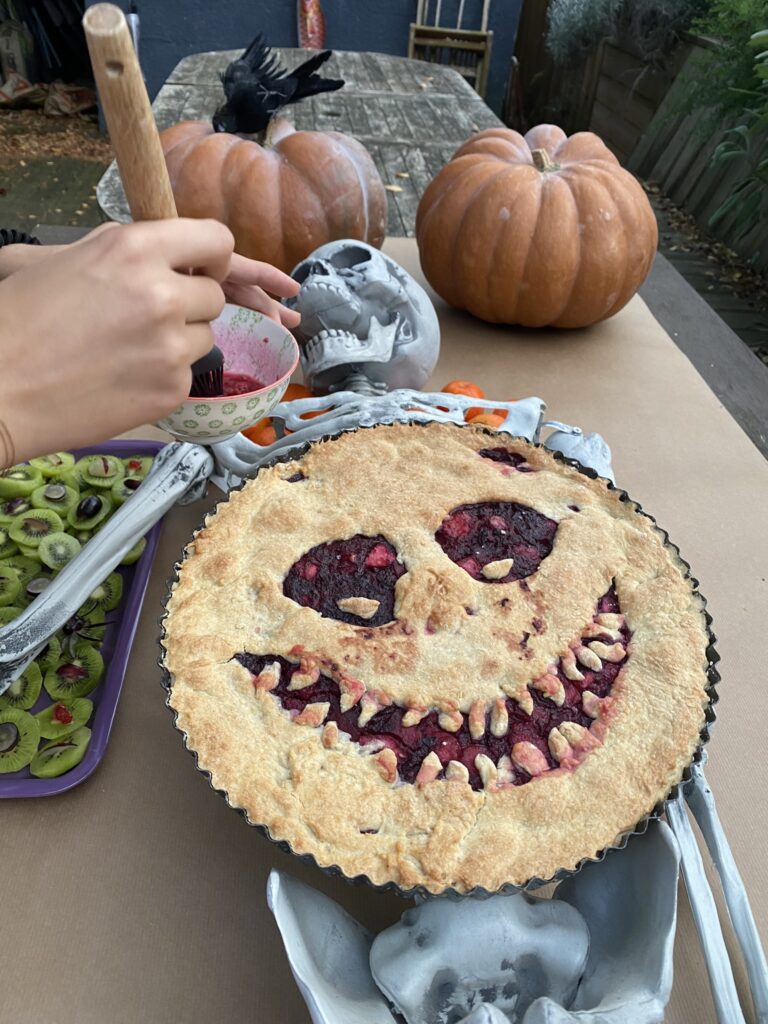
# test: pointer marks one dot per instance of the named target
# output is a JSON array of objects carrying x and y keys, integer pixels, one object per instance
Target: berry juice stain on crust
[
  {"x": 475, "y": 536},
  {"x": 240, "y": 383},
  {"x": 345, "y": 577},
  {"x": 533, "y": 725}
]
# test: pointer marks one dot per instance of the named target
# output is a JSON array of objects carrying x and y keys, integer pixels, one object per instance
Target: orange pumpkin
[
  {"x": 281, "y": 198},
  {"x": 536, "y": 230}
]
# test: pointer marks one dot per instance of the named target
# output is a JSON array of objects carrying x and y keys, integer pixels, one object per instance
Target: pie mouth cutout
[{"x": 551, "y": 723}]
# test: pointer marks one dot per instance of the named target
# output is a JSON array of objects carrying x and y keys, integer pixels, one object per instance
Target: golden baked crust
[{"x": 328, "y": 796}]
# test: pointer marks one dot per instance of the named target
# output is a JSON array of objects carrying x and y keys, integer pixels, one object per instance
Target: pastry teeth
[
  {"x": 313, "y": 714},
  {"x": 614, "y": 653},
  {"x": 570, "y": 669},
  {"x": 529, "y": 758},
  {"x": 451, "y": 721},
  {"x": 351, "y": 691},
  {"x": 413, "y": 716},
  {"x": 559, "y": 746},
  {"x": 369, "y": 706},
  {"x": 497, "y": 570},
  {"x": 477, "y": 720},
  {"x": 456, "y": 772},
  {"x": 550, "y": 686},
  {"x": 611, "y": 620},
  {"x": 592, "y": 704},
  {"x": 487, "y": 769},
  {"x": 363, "y": 607},
  {"x": 499, "y": 717},
  {"x": 268, "y": 678},
  {"x": 505, "y": 773},
  {"x": 581, "y": 739},
  {"x": 520, "y": 693},
  {"x": 593, "y": 629},
  {"x": 330, "y": 735},
  {"x": 386, "y": 763},
  {"x": 303, "y": 678},
  {"x": 430, "y": 769},
  {"x": 589, "y": 659}
]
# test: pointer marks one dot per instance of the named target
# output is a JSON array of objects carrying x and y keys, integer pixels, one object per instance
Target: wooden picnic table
[
  {"x": 410, "y": 115},
  {"x": 140, "y": 896}
]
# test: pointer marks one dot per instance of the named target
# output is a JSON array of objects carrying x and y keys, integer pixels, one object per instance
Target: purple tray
[{"x": 115, "y": 650}]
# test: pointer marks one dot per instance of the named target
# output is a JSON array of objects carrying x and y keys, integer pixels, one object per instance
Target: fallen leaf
[{"x": 393, "y": 188}]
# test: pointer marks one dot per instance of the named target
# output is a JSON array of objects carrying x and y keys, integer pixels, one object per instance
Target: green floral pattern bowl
[{"x": 251, "y": 343}]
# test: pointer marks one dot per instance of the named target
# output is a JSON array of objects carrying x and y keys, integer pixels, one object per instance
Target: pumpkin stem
[{"x": 541, "y": 160}]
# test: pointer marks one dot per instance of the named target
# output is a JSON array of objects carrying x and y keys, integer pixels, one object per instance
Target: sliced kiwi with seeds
[
  {"x": 9, "y": 613},
  {"x": 24, "y": 691},
  {"x": 72, "y": 478},
  {"x": 12, "y": 507},
  {"x": 138, "y": 465},
  {"x": 63, "y": 717},
  {"x": 50, "y": 656},
  {"x": 101, "y": 471},
  {"x": 52, "y": 466},
  {"x": 26, "y": 567},
  {"x": 61, "y": 755},
  {"x": 108, "y": 593},
  {"x": 125, "y": 488},
  {"x": 77, "y": 675},
  {"x": 135, "y": 553},
  {"x": 83, "y": 535},
  {"x": 10, "y": 585},
  {"x": 58, "y": 550},
  {"x": 19, "y": 481},
  {"x": 19, "y": 737},
  {"x": 7, "y": 546},
  {"x": 55, "y": 496},
  {"x": 30, "y": 528},
  {"x": 90, "y": 511}
]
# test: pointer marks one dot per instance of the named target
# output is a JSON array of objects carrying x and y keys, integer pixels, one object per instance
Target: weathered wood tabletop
[{"x": 411, "y": 116}]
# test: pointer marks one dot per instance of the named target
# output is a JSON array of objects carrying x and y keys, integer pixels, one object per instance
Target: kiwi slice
[
  {"x": 72, "y": 478},
  {"x": 75, "y": 676},
  {"x": 138, "y": 465},
  {"x": 108, "y": 593},
  {"x": 90, "y": 511},
  {"x": 7, "y": 546},
  {"x": 55, "y": 496},
  {"x": 63, "y": 717},
  {"x": 82, "y": 535},
  {"x": 52, "y": 466},
  {"x": 135, "y": 553},
  {"x": 19, "y": 736},
  {"x": 101, "y": 471},
  {"x": 61, "y": 755},
  {"x": 19, "y": 481},
  {"x": 30, "y": 528},
  {"x": 49, "y": 657},
  {"x": 27, "y": 568},
  {"x": 24, "y": 691},
  {"x": 58, "y": 549},
  {"x": 11, "y": 507},
  {"x": 125, "y": 488},
  {"x": 9, "y": 585},
  {"x": 9, "y": 613}
]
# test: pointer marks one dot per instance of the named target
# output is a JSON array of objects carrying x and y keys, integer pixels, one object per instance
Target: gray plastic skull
[{"x": 361, "y": 312}]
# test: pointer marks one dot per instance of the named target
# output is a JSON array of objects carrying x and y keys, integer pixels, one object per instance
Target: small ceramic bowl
[{"x": 251, "y": 343}]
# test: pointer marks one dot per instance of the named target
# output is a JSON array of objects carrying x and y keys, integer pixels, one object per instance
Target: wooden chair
[{"x": 466, "y": 50}]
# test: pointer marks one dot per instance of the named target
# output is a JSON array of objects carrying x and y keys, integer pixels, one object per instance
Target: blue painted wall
[{"x": 171, "y": 29}]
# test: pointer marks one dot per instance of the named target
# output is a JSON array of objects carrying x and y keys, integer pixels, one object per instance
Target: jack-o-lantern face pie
[{"x": 437, "y": 657}]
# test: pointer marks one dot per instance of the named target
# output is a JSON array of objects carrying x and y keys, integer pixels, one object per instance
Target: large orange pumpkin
[
  {"x": 536, "y": 230},
  {"x": 282, "y": 198}
]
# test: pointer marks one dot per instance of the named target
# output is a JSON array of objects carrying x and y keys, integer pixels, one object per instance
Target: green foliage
[
  {"x": 729, "y": 83},
  {"x": 747, "y": 204},
  {"x": 575, "y": 27}
]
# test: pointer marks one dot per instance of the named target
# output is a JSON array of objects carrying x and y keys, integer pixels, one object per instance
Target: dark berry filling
[
  {"x": 412, "y": 743},
  {"x": 508, "y": 458},
  {"x": 295, "y": 478},
  {"x": 473, "y": 536},
  {"x": 360, "y": 567}
]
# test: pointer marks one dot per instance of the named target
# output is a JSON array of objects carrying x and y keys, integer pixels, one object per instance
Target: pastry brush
[{"x": 136, "y": 143}]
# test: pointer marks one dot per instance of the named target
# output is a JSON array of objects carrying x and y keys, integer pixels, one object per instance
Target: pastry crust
[{"x": 312, "y": 786}]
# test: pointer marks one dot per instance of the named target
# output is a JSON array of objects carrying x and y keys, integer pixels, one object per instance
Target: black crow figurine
[{"x": 256, "y": 87}]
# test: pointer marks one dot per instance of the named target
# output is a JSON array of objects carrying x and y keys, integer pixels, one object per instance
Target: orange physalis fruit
[
  {"x": 262, "y": 433},
  {"x": 488, "y": 419},
  {"x": 294, "y": 391},
  {"x": 464, "y": 387}
]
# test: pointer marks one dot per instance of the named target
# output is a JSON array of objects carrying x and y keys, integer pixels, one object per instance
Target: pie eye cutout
[
  {"x": 552, "y": 722},
  {"x": 497, "y": 541},
  {"x": 349, "y": 580},
  {"x": 506, "y": 458}
]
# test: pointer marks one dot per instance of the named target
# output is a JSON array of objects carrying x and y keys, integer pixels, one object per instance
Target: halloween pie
[{"x": 437, "y": 656}]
